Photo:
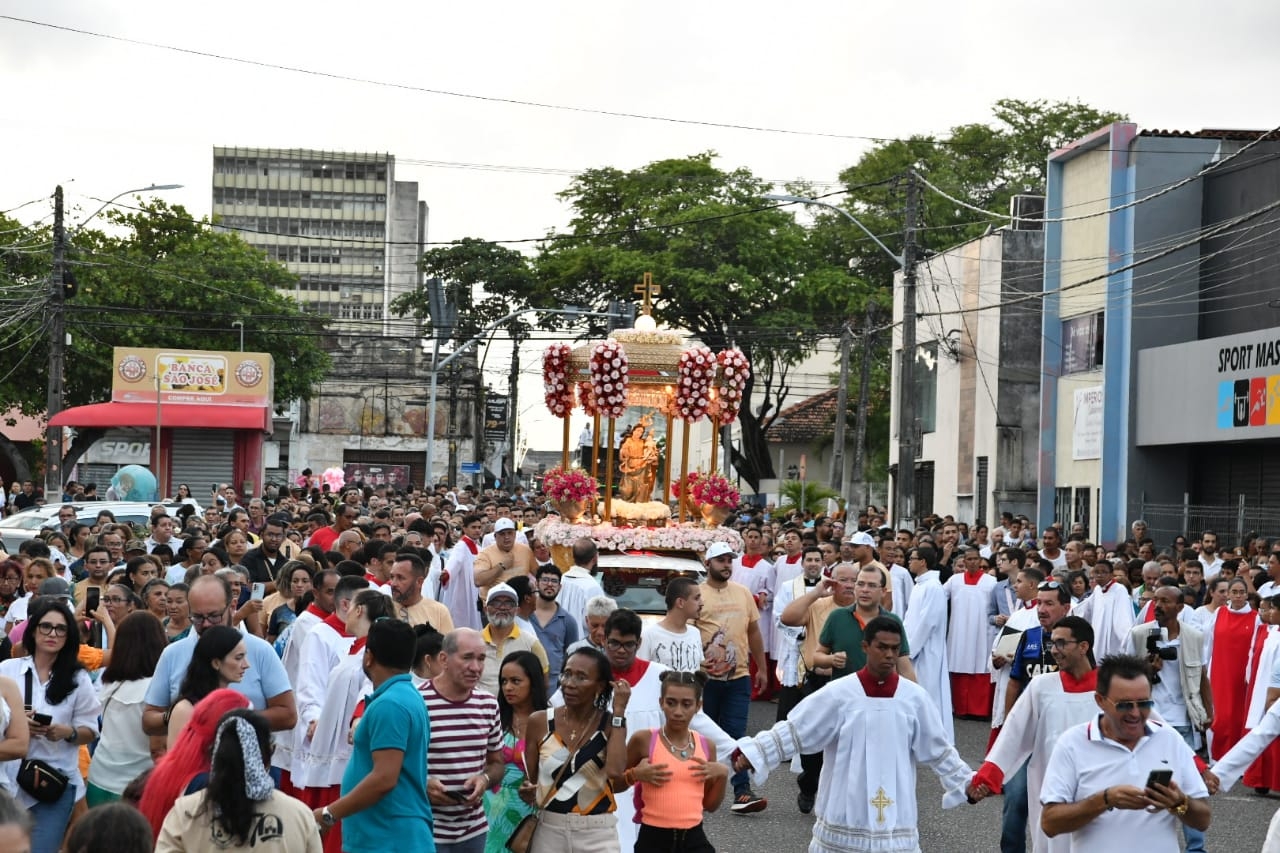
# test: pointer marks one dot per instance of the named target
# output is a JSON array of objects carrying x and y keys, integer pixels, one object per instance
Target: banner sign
[{"x": 202, "y": 377}]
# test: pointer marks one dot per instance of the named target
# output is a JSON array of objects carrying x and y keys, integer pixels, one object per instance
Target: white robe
[
  {"x": 1035, "y": 722},
  {"x": 285, "y": 741},
  {"x": 902, "y": 584},
  {"x": 644, "y": 712},
  {"x": 1022, "y": 619},
  {"x": 926, "y": 627},
  {"x": 1230, "y": 767},
  {"x": 1258, "y": 689},
  {"x": 460, "y": 594},
  {"x": 969, "y": 634},
  {"x": 324, "y": 760},
  {"x": 322, "y": 651},
  {"x": 1110, "y": 611},
  {"x": 782, "y": 573},
  {"x": 760, "y": 580},
  {"x": 870, "y": 748}
]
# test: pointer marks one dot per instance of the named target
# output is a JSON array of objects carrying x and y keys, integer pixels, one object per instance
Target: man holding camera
[{"x": 1180, "y": 686}]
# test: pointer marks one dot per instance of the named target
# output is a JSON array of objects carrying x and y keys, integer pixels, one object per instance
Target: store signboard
[{"x": 199, "y": 377}]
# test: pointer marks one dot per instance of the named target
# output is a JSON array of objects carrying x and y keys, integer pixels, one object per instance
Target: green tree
[
  {"x": 165, "y": 280},
  {"x": 483, "y": 281},
  {"x": 734, "y": 271},
  {"x": 810, "y": 494}
]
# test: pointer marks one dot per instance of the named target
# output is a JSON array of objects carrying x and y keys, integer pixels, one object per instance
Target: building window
[
  {"x": 1062, "y": 506},
  {"x": 1080, "y": 510},
  {"x": 926, "y": 381},
  {"x": 1082, "y": 343}
]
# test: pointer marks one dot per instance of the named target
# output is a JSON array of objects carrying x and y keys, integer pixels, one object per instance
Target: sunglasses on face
[
  {"x": 1126, "y": 707},
  {"x": 1049, "y": 585}
]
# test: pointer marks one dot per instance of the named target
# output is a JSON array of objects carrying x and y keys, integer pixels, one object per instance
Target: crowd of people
[{"x": 316, "y": 671}]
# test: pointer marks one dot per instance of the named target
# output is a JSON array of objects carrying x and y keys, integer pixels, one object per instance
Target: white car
[
  {"x": 637, "y": 580},
  {"x": 18, "y": 528}
]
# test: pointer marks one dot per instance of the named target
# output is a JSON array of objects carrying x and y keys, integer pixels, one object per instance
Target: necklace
[
  {"x": 683, "y": 752},
  {"x": 578, "y": 725}
]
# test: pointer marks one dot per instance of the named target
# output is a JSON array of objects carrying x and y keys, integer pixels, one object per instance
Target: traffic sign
[{"x": 472, "y": 467}]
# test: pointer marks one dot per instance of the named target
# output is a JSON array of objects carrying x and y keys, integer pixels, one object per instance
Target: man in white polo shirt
[{"x": 1096, "y": 785}]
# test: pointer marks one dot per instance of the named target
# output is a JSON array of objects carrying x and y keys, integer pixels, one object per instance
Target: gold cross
[
  {"x": 647, "y": 290},
  {"x": 881, "y": 802}
]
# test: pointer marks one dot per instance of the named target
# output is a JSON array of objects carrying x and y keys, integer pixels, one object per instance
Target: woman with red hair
[{"x": 176, "y": 772}]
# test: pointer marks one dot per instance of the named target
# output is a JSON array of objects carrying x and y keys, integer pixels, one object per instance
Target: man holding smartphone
[{"x": 1100, "y": 786}]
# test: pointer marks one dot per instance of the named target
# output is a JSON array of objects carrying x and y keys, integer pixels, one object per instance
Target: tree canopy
[{"x": 165, "y": 280}]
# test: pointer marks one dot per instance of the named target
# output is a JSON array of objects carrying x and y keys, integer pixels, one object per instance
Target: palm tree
[{"x": 804, "y": 494}]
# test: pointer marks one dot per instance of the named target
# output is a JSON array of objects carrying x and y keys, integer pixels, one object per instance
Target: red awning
[{"x": 191, "y": 416}]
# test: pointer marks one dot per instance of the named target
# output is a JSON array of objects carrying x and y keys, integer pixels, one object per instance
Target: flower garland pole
[
  {"x": 609, "y": 387},
  {"x": 557, "y": 391},
  {"x": 696, "y": 372},
  {"x": 715, "y": 435},
  {"x": 734, "y": 371},
  {"x": 668, "y": 409},
  {"x": 587, "y": 397}
]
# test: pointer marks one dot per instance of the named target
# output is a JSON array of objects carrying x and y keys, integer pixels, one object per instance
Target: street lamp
[
  {"x": 842, "y": 394},
  {"x": 58, "y": 337}
]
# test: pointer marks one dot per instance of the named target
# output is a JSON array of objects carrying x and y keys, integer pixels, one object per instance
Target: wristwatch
[
  {"x": 326, "y": 817},
  {"x": 618, "y": 722},
  {"x": 1181, "y": 809}
]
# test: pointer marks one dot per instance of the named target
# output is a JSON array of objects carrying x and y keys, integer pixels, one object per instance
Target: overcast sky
[{"x": 102, "y": 116}]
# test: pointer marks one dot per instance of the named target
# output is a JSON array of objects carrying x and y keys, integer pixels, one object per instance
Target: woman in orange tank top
[{"x": 675, "y": 773}]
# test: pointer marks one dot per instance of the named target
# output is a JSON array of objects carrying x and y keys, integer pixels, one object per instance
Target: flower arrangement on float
[
  {"x": 556, "y": 388},
  {"x": 572, "y": 485},
  {"x": 734, "y": 372},
  {"x": 715, "y": 490},
  {"x": 610, "y": 538},
  {"x": 609, "y": 378},
  {"x": 695, "y": 373}
]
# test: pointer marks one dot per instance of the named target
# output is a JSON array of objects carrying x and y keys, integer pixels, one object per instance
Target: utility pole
[
  {"x": 860, "y": 431},
  {"x": 842, "y": 406},
  {"x": 904, "y": 495},
  {"x": 513, "y": 406},
  {"x": 57, "y": 355}
]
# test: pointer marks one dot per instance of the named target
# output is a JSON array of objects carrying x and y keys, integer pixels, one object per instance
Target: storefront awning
[{"x": 186, "y": 415}]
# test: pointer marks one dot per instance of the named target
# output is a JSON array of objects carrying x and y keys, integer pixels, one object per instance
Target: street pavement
[{"x": 1239, "y": 825}]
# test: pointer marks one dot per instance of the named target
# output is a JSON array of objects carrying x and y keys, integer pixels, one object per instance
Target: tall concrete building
[{"x": 339, "y": 220}]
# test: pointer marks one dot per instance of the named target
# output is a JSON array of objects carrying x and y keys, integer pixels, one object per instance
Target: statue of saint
[{"x": 638, "y": 463}]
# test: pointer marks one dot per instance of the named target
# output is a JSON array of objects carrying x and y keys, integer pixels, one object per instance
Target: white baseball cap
[
  {"x": 503, "y": 524},
  {"x": 501, "y": 589},
  {"x": 719, "y": 549},
  {"x": 862, "y": 538}
]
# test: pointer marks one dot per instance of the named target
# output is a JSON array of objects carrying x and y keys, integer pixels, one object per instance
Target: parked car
[
  {"x": 20, "y": 527},
  {"x": 637, "y": 580}
]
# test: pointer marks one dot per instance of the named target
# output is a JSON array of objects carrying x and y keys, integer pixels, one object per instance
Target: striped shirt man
[{"x": 463, "y": 736}]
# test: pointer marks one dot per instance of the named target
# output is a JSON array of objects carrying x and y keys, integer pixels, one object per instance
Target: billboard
[
  {"x": 495, "y": 418},
  {"x": 199, "y": 377},
  {"x": 376, "y": 474}
]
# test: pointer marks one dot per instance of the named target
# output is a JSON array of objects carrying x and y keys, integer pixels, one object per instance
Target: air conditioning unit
[
  {"x": 1027, "y": 212},
  {"x": 345, "y": 293},
  {"x": 377, "y": 267},
  {"x": 381, "y": 197}
]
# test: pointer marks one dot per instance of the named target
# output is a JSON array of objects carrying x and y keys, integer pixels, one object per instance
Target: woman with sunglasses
[{"x": 67, "y": 706}]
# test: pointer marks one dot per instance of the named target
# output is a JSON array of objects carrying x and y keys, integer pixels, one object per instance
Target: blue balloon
[{"x": 134, "y": 483}]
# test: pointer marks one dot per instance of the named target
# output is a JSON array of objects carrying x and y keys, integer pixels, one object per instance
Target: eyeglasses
[
  {"x": 114, "y": 599},
  {"x": 1062, "y": 644},
  {"x": 51, "y": 629},
  {"x": 1124, "y": 707},
  {"x": 501, "y": 605},
  {"x": 1049, "y": 585},
  {"x": 620, "y": 645},
  {"x": 208, "y": 618},
  {"x": 549, "y": 581}
]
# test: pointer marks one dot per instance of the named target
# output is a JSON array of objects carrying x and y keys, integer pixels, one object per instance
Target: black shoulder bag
[{"x": 38, "y": 778}]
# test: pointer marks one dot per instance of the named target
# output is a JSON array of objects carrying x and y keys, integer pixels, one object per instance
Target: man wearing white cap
[
  {"x": 730, "y": 626},
  {"x": 502, "y": 636},
  {"x": 897, "y": 589},
  {"x": 504, "y": 559}
]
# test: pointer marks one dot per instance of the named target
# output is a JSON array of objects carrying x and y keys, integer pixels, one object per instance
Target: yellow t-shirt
[{"x": 727, "y": 613}]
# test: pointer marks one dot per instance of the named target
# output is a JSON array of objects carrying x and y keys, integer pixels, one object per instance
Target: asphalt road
[{"x": 1239, "y": 825}]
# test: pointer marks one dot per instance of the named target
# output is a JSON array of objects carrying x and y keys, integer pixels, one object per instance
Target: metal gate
[{"x": 202, "y": 457}]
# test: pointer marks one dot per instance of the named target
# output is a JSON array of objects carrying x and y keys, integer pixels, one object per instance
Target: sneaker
[
  {"x": 749, "y": 803},
  {"x": 804, "y": 802}
]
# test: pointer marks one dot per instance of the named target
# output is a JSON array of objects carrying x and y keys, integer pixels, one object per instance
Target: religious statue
[{"x": 638, "y": 463}]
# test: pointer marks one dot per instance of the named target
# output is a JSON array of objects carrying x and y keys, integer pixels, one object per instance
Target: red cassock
[
  {"x": 1232, "y": 636},
  {"x": 1265, "y": 771}
]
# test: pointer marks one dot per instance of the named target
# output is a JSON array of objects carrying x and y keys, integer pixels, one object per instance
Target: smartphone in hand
[
  {"x": 259, "y": 591},
  {"x": 92, "y": 599},
  {"x": 42, "y": 719},
  {"x": 1159, "y": 777}
]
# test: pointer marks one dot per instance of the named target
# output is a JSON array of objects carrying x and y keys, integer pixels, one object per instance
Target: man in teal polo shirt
[
  {"x": 384, "y": 789},
  {"x": 840, "y": 645}
]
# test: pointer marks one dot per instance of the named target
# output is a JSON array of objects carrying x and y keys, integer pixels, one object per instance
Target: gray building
[
  {"x": 339, "y": 220},
  {"x": 977, "y": 376},
  {"x": 1161, "y": 330}
]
